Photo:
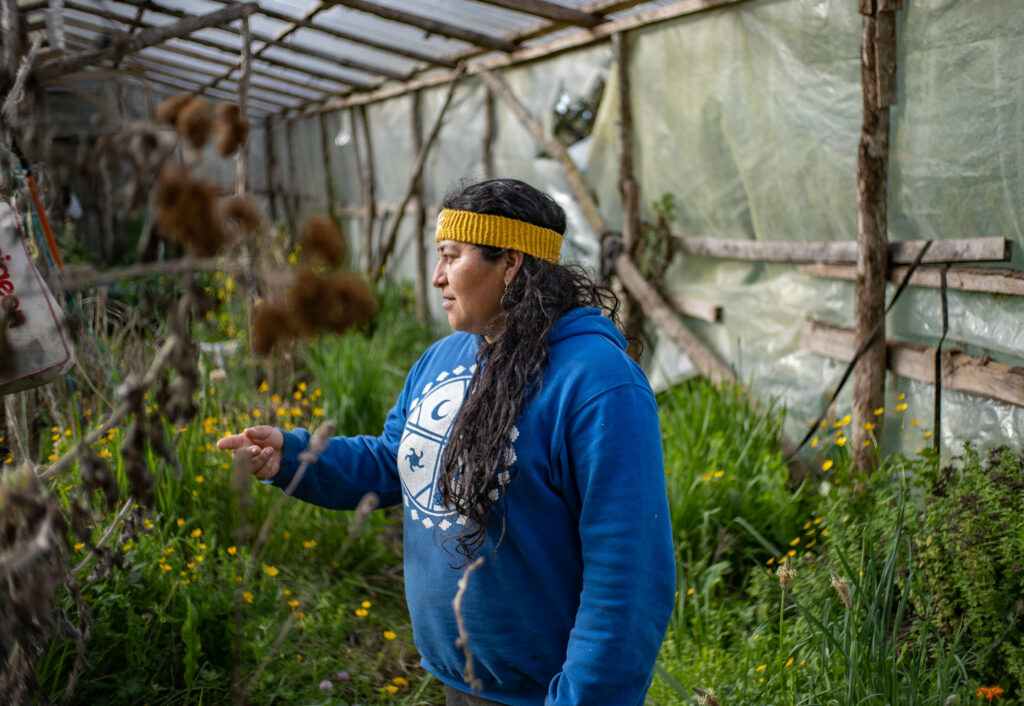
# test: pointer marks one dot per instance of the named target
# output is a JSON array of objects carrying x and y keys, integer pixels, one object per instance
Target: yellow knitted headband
[{"x": 499, "y": 232}]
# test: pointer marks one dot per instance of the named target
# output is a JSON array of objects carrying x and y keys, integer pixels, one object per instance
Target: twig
[
  {"x": 83, "y": 277},
  {"x": 106, "y": 535},
  {"x": 468, "y": 675},
  {"x": 17, "y": 90},
  {"x": 115, "y": 418}
]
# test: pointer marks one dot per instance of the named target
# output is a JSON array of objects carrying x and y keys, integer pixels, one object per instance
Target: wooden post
[
  {"x": 325, "y": 148},
  {"x": 388, "y": 243},
  {"x": 487, "y": 146},
  {"x": 242, "y": 157},
  {"x": 289, "y": 193},
  {"x": 419, "y": 216},
  {"x": 369, "y": 190},
  {"x": 872, "y": 238},
  {"x": 268, "y": 136},
  {"x": 629, "y": 191}
]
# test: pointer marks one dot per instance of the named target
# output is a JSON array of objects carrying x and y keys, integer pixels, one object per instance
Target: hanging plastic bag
[{"x": 34, "y": 344}]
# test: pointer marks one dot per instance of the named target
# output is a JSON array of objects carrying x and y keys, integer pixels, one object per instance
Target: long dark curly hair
[{"x": 512, "y": 356}]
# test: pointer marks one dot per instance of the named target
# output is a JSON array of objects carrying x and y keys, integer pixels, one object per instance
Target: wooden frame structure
[{"x": 282, "y": 76}]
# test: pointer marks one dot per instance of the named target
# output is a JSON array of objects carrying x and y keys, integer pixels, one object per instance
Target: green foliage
[{"x": 969, "y": 539}]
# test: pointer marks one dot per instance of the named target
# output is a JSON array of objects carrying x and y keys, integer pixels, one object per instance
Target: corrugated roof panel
[
  {"x": 349, "y": 50},
  {"x": 306, "y": 62},
  {"x": 352, "y": 21},
  {"x": 477, "y": 16},
  {"x": 225, "y": 37}
]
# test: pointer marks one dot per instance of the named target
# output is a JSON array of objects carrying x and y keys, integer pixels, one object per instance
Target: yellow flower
[
  {"x": 901, "y": 396},
  {"x": 202, "y": 546},
  {"x": 199, "y": 558},
  {"x": 275, "y": 399},
  {"x": 827, "y": 465},
  {"x": 771, "y": 560},
  {"x": 270, "y": 570},
  {"x": 318, "y": 411},
  {"x": 761, "y": 668},
  {"x": 718, "y": 474},
  {"x": 263, "y": 386},
  {"x": 362, "y": 612},
  {"x": 901, "y": 407},
  {"x": 880, "y": 411},
  {"x": 191, "y": 565},
  {"x": 195, "y": 533},
  {"x": 147, "y": 523},
  {"x": 309, "y": 543},
  {"x": 366, "y": 604},
  {"x": 814, "y": 442},
  {"x": 689, "y": 591},
  {"x": 841, "y": 441},
  {"x": 232, "y": 550},
  {"x": 287, "y": 592},
  {"x": 913, "y": 422},
  {"x": 399, "y": 681},
  {"x": 297, "y": 395},
  {"x": 199, "y": 479},
  {"x": 927, "y": 434},
  {"x": 247, "y": 595},
  {"x": 388, "y": 635},
  {"x": 286, "y": 534},
  {"x": 78, "y": 545},
  {"x": 391, "y": 689},
  {"x": 868, "y": 426},
  {"x": 181, "y": 522},
  {"x": 794, "y": 542},
  {"x": 256, "y": 414},
  {"x": 165, "y": 567},
  {"x": 789, "y": 662},
  {"x": 818, "y": 520},
  {"x": 293, "y": 603}
]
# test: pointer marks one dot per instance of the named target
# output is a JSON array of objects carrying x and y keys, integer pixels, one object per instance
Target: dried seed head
[
  {"x": 185, "y": 211},
  {"x": 195, "y": 122},
  {"x": 168, "y": 110},
  {"x": 233, "y": 128},
  {"x": 272, "y": 325},
  {"x": 323, "y": 240},
  {"x": 241, "y": 212},
  {"x": 706, "y": 697},
  {"x": 333, "y": 303},
  {"x": 842, "y": 589},
  {"x": 786, "y": 573}
]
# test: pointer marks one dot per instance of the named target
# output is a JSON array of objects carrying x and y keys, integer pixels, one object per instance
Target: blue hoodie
[{"x": 572, "y": 605}]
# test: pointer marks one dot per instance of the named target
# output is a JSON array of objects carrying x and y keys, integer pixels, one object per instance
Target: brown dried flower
[
  {"x": 185, "y": 211},
  {"x": 706, "y": 697},
  {"x": 195, "y": 122},
  {"x": 322, "y": 239},
  {"x": 272, "y": 325},
  {"x": 233, "y": 128},
  {"x": 786, "y": 573},
  {"x": 242, "y": 213},
  {"x": 336, "y": 302},
  {"x": 842, "y": 589},
  {"x": 168, "y": 110}
]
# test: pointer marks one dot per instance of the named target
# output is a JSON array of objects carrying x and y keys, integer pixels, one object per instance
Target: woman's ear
[{"x": 513, "y": 261}]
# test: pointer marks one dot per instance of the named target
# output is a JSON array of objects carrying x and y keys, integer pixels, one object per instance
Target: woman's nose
[{"x": 438, "y": 280}]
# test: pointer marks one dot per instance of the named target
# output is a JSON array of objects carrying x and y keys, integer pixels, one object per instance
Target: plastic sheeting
[{"x": 750, "y": 116}]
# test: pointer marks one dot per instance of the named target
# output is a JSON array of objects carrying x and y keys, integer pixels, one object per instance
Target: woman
[{"x": 528, "y": 438}]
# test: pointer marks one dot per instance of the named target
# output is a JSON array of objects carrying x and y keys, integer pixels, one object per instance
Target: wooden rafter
[
  {"x": 549, "y": 10},
  {"x": 429, "y": 25},
  {"x": 145, "y": 38},
  {"x": 280, "y": 44}
]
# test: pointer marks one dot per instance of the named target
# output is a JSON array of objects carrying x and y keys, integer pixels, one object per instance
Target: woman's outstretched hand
[{"x": 266, "y": 445}]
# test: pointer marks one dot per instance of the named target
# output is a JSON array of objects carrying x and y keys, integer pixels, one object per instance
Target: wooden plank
[
  {"x": 970, "y": 279},
  {"x": 697, "y": 308},
  {"x": 430, "y": 25},
  {"x": 549, "y": 10},
  {"x": 991, "y": 249},
  {"x": 146, "y": 38},
  {"x": 979, "y": 376}
]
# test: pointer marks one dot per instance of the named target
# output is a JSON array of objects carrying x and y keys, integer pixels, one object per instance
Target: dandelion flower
[
  {"x": 388, "y": 635},
  {"x": 789, "y": 662},
  {"x": 391, "y": 689},
  {"x": 195, "y": 533},
  {"x": 827, "y": 465},
  {"x": 901, "y": 407},
  {"x": 165, "y": 567},
  {"x": 271, "y": 570},
  {"x": 760, "y": 668},
  {"x": 366, "y": 604},
  {"x": 181, "y": 522},
  {"x": 868, "y": 426},
  {"x": 880, "y": 411},
  {"x": 78, "y": 545},
  {"x": 232, "y": 550},
  {"x": 293, "y": 603},
  {"x": 400, "y": 681},
  {"x": 198, "y": 479},
  {"x": 362, "y": 612},
  {"x": 794, "y": 542},
  {"x": 814, "y": 442},
  {"x": 927, "y": 435}
]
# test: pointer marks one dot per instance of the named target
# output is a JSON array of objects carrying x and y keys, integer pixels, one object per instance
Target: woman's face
[{"x": 471, "y": 286}]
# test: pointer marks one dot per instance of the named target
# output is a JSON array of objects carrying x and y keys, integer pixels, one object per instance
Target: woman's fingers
[{"x": 234, "y": 441}]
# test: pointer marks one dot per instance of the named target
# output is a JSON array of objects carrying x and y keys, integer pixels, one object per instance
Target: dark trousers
[{"x": 454, "y": 697}]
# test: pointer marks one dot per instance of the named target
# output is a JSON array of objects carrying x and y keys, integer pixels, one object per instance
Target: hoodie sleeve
[
  {"x": 349, "y": 468},
  {"x": 629, "y": 578}
]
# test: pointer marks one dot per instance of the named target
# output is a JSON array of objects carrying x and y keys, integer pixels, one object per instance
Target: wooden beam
[
  {"x": 325, "y": 149},
  {"x": 417, "y": 170},
  {"x": 979, "y": 376},
  {"x": 697, "y": 308},
  {"x": 268, "y": 136},
  {"x": 296, "y": 48},
  {"x": 419, "y": 214},
  {"x": 211, "y": 44},
  {"x": 521, "y": 56},
  {"x": 367, "y": 182},
  {"x": 305, "y": 23},
  {"x": 553, "y": 147},
  {"x": 487, "y": 138},
  {"x": 970, "y": 279},
  {"x": 429, "y": 25},
  {"x": 146, "y": 38},
  {"x": 992, "y": 249},
  {"x": 242, "y": 155},
  {"x": 549, "y": 10}
]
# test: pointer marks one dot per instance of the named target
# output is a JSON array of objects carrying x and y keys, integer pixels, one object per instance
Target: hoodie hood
[{"x": 583, "y": 321}]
